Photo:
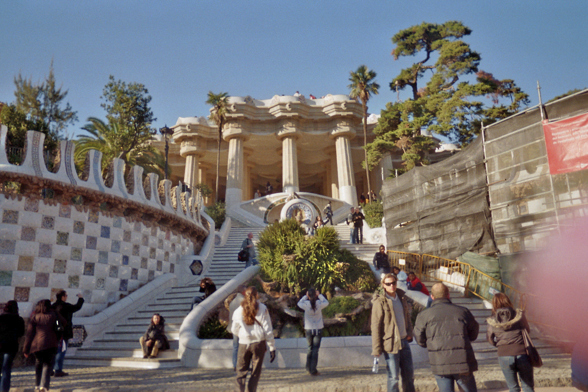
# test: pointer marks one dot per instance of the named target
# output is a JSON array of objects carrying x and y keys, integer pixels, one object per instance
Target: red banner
[{"x": 567, "y": 144}]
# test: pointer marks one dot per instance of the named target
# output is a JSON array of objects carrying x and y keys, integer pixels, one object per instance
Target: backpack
[{"x": 243, "y": 255}]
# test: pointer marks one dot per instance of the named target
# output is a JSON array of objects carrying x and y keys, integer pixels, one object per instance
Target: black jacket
[
  {"x": 447, "y": 331},
  {"x": 381, "y": 261},
  {"x": 12, "y": 327},
  {"x": 157, "y": 332},
  {"x": 67, "y": 310},
  {"x": 505, "y": 331}
]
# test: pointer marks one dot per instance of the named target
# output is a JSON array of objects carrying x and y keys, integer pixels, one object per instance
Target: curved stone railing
[
  {"x": 100, "y": 237},
  {"x": 159, "y": 202}
]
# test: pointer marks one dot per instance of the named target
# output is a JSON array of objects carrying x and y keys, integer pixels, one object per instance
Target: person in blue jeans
[
  {"x": 250, "y": 247},
  {"x": 391, "y": 334},
  {"x": 12, "y": 327},
  {"x": 66, "y": 310},
  {"x": 447, "y": 331},
  {"x": 505, "y": 331},
  {"x": 313, "y": 304}
]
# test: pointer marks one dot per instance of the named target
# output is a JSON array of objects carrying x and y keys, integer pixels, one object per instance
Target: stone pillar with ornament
[
  {"x": 288, "y": 136},
  {"x": 343, "y": 135},
  {"x": 192, "y": 151},
  {"x": 235, "y": 165}
]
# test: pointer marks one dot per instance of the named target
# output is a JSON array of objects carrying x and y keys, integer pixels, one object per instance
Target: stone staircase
[
  {"x": 483, "y": 349},
  {"x": 119, "y": 345}
]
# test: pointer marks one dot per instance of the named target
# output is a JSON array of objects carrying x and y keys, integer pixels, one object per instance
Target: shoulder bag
[{"x": 532, "y": 352}]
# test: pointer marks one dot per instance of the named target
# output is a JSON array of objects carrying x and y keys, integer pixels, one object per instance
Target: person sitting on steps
[{"x": 154, "y": 338}]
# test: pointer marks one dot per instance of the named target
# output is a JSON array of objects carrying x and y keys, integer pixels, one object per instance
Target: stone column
[
  {"x": 191, "y": 170},
  {"x": 332, "y": 176},
  {"x": 347, "y": 190},
  {"x": 235, "y": 171},
  {"x": 289, "y": 165}
]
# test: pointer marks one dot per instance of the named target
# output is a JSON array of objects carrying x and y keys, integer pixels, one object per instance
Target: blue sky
[{"x": 182, "y": 49}]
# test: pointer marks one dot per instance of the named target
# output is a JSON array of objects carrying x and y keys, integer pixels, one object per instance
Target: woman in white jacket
[
  {"x": 313, "y": 304},
  {"x": 253, "y": 325}
]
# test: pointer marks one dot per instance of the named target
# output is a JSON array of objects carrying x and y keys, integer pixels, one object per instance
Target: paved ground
[{"x": 554, "y": 376}]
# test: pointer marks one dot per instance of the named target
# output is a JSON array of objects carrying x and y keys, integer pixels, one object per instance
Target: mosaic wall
[
  {"x": 45, "y": 248},
  {"x": 48, "y": 245}
]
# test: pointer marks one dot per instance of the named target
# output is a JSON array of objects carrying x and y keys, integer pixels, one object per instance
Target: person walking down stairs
[{"x": 248, "y": 244}]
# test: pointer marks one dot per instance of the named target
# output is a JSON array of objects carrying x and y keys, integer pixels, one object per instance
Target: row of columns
[{"x": 339, "y": 175}]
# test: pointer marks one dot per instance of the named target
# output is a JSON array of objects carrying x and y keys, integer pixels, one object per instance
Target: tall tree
[
  {"x": 449, "y": 94},
  {"x": 218, "y": 114},
  {"x": 38, "y": 107},
  {"x": 112, "y": 139},
  {"x": 362, "y": 87},
  {"x": 128, "y": 106}
]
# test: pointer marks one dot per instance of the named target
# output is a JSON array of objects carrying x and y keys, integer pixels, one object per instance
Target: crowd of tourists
[{"x": 47, "y": 334}]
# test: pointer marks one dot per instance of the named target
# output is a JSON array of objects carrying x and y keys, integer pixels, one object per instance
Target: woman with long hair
[
  {"x": 313, "y": 304},
  {"x": 253, "y": 325},
  {"x": 505, "y": 331},
  {"x": 12, "y": 327},
  {"x": 154, "y": 338},
  {"x": 41, "y": 340}
]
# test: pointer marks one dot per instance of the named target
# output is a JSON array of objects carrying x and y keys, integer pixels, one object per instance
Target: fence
[{"x": 456, "y": 273}]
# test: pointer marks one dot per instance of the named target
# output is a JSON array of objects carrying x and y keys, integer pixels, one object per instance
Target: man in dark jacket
[
  {"x": 447, "y": 331},
  {"x": 66, "y": 310}
]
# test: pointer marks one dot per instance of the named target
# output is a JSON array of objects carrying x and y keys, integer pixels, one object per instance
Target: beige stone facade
[{"x": 295, "y": 144}]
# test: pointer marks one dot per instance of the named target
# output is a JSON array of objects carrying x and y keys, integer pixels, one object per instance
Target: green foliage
[
  {"x": 204, "y": 189},
  {"x": 374, "y": 212},
  {"x": 128, "y": 106},
  {"x": 38, "y": 107},
  {"x": 115, "y": 141},
  {"x": 217, "y": 212},
  {"x": 358, "y": 325},
  {"x": 296, "y": 262},
  {"x": 340, "y": 305},
  {"x": 213, "y": 329},
  {"x": 445, "y": 104},
  {"x": 43, "y": 103}
]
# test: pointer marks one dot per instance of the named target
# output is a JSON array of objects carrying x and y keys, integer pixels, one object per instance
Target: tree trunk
[
  {"x": 220, "y": 132},
  {"x": 367, "y": 170}
]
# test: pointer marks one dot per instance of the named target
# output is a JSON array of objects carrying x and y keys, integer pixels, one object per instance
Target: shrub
[
  {"x": 340, "y": 305},
  {"x": 297, "y": 262},
  {"x": 217, "y": 212},
  {"x": 374, "y": 212},
  {"x": 213, "y": 329}
]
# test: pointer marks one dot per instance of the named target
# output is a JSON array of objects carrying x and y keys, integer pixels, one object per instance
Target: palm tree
[
  {"x": 218, "y": 114},
  {"x": 110, "y": 139},
  {"x": 362, "y": 88}
]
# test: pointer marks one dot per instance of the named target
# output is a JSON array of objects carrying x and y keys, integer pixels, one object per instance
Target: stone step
[
  {"x": 138, "y": 363},
  {"x": 145, "y": 318},
  {"x": 128, "y": 344},
  {"x": 165, "y": 313},
  {"x": 122, "y": 352},
  {"x": 141, "y": 328}
]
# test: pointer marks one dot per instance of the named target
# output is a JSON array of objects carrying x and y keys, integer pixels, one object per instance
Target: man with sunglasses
[{"x": 391, "y": 333}]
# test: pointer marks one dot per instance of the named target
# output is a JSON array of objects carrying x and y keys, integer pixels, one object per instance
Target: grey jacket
[{"x": 447, "y": 331}]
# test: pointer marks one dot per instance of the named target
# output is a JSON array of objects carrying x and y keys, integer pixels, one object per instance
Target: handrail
[{"x": 469, "y": 278}]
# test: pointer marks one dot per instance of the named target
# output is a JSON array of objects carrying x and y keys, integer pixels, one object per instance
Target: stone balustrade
[{"x": 102, "y": 237}]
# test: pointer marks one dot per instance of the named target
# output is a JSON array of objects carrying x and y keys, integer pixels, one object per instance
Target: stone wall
[{"x": 103, "y": 242}]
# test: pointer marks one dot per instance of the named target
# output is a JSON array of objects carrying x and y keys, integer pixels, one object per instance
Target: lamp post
[{"x": 166, "y": 132}]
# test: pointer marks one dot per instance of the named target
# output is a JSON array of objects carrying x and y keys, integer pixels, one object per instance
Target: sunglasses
[{"x": 390, "y": 284}]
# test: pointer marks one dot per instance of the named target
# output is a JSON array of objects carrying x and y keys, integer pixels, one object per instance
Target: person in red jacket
[{"x": 413, "y": 283}]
